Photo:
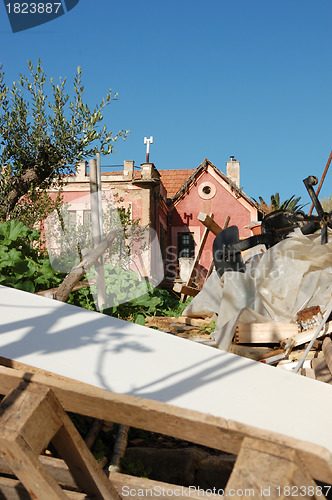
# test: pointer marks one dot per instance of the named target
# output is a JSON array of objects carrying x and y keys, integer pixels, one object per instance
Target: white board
[{"x": 131, "y": 359}]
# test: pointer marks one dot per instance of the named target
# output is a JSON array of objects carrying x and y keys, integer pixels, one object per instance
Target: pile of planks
[
  {"x": 34, "y": 413},
  {"x": 279, "y": 344}
]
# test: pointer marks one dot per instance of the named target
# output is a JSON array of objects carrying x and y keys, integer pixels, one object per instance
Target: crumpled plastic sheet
[{"x": 293, "y": 274}]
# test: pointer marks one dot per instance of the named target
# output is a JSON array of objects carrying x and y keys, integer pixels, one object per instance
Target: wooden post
[{"x": 196, "y": 260}]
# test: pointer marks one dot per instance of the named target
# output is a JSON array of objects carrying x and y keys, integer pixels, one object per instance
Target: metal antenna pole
[
  {"x": 96, "y": 236},
  {"x": 100, "y": 212},
  {"x": 148, "y": 142}
]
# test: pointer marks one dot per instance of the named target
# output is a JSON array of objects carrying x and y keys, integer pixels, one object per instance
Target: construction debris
[{"x": 273, "y": 296}]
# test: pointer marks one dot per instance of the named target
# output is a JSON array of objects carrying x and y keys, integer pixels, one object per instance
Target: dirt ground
[{"x": 173, "y": 325}]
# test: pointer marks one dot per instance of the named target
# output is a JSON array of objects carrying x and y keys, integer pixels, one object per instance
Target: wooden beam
[
  {"x": 123, "y": 483},
  {"x": 200, "y": 428},
  {"x": 194, "y": 266},
  {"x": 209, "y": 223},
  {"x": 186, "y": 290},
  {"x": 269, "y": 471},
  {"x": 264, "y": 333},
  {"x": 304, "y": 337},
  {"x": 12, "y": 489},
  {"x": 251, "y": 352},
  {"x": 139, "y": 485},
  {"x": 32, "y": 417},
  {"x": 186, "y": 320}
]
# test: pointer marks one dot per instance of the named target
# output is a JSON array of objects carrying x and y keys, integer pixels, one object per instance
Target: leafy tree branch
[{"x": 42, "y": 138}]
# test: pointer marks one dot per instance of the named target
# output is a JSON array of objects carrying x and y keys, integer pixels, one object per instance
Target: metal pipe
[
  {"x": 96, "y": 236},
  {"x": 321, "y": 181},
  {"x": 100, "y": 212}
]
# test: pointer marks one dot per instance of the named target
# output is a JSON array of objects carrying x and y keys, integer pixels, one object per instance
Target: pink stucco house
[{"x": 169, "y": 201}]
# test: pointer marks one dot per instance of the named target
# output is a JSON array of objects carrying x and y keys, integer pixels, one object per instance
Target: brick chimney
[{"x": 233, "y": 170}]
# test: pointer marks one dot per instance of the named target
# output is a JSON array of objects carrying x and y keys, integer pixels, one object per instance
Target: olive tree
[{"x": 43, "y": 137}]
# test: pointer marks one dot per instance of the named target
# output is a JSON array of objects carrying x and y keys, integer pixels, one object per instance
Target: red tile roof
[{"x": 173, "y": 179}]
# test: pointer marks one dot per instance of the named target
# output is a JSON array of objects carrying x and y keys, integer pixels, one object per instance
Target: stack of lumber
[{"x": 280, "y": 344}]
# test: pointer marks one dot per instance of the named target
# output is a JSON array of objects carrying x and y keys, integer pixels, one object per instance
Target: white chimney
[
  {"x": 233, "y": 170},
  {"x": 81, "y": 170},
  {"x": 128, "y": 169}
]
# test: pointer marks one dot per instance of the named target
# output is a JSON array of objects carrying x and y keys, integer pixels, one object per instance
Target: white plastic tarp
[{"x": 295, "y": 273}]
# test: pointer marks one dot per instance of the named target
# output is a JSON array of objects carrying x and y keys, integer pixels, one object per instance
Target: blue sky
[{"x": 207, "y": 79}]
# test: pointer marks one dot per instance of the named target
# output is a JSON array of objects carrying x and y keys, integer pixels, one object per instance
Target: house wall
[
  {"x": 222, "y": 201},
  {"x": 146, "y": 199},
  {"x": 146, "y": 195}
]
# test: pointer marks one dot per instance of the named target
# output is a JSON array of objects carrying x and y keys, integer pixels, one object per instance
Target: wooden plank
[
  {"x": 12, "y": 489},
  {"x": 129, "y": 359},
  {"x": 185, "y": 320},
  {"x": 269, "y": 471},
  {"x": 264, "y": 333},
  {"x": 131, "y": 486},
  {"x": 55, "y": 466},
  {"x": 304, "y": 337},
  {"x": 28, "y": 412},
  {"x": 155, "y": 416},
  {"x": 211, "y": 267},
  {"x": 209, "y": 223},
  {"x": 146, "y": 488},
  {"x": 31, "y": 418},
  {"x": 251, "y": 352},
  {"x": 186, "y": 290},
  {"x": 26, "y": 466},
  {"x": 198, "y": 255}
]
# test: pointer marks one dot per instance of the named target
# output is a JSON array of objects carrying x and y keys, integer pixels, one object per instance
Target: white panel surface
[{"x": 131, "y": 359}]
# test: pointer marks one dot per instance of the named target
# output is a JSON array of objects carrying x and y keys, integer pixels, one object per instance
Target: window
[
  {"x": 186, "y": 245},
  {"x": 207, "y": 190},
  {"x": 71, "y": 218},
  {"x": 87, "y": 217}
]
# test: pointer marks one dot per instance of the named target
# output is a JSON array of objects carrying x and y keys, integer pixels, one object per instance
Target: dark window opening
[
  {"x": 206, "y": 190},
  {"x": 186, "y": 245}
]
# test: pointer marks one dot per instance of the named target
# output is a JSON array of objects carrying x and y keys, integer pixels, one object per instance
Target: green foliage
[
  {"x": 147, "y": 301},
  {"x": 130, "y": 298},
  {"x": 68, "y": 238},
  {"x": 291, "y": 204},
  {"x": 21, "y": 266},
  {"x": 210, "y": 328},
  {"x": 42, "y": 136}
]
